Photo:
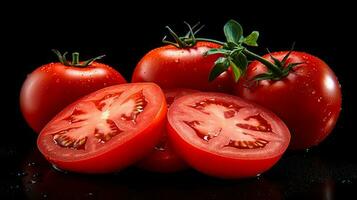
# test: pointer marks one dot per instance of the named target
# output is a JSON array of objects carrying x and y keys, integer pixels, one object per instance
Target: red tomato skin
[
  {"x": 171, "y": 67},
  {"x": 308, "y": 100},
  {"x": 51, "y": 87},
  {"x": 163, "y": 161},
  {"x": 167, "y": 160},
  {"x": 114, "y": 161},
  {"x": 225, "y": 168}
]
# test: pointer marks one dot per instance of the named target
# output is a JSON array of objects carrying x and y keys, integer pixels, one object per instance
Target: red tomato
[
  {"x": 163, "y": 158},
  {"x": 172, "y": 67},
  {"x": 225, "y": 136},
  {"x": 308, "y": 100},
  {"x": 52, "y": 87},
  {"x": 106, "y": 130}
]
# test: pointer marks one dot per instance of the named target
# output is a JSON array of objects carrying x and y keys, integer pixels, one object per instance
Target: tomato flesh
[
  {"x": 225, "y": 136},
  {"x": 163, "y": 158},
  {"x": 106, "y": 130}
]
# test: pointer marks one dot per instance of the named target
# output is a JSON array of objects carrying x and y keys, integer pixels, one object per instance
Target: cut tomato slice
[
  {"x": 106, "y": 130},
  {"x": 225, "y": 136},
  {"x": 163, "y": 158}
]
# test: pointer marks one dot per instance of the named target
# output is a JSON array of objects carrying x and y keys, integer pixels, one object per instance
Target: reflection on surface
[{"x": 297, "y": 176}]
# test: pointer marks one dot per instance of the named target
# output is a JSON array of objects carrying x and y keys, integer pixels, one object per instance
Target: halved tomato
[
  {"x": 107, "y": 130},
  {"x": 163, "y": 158},
  {"x": 225, "y": 136}
]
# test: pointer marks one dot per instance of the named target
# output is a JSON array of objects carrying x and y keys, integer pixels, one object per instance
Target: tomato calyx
[
  {"x": 187, "y": 41},
  {"x": 285, "y": 68},
  {"x": 75, "y": 59},
  {"x": 236, "y": 56}
]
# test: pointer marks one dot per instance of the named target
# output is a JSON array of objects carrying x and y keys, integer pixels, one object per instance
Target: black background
[{"x": 125, "y": 33}]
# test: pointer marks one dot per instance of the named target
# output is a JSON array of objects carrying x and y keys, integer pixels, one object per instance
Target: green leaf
[
  {"x": 236, "y": 71},
  {"x": 233, "y": 31},
  {"x": 251, "y": 40},
  {"x": 220, "y": 66},
  {"x": 216, "y": 51},
  {"x": 288, "y": 54},
  {"x": 241, "y": 61}
]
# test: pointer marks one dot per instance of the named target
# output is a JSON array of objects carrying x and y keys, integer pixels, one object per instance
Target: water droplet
[
  {"x": 31, "y": 164},
  {"x": 33, "y": 181},
  {"x": 21, "y": 174},
  {"x": 313, "y": 92},
  {"x": 346, "y": 181},
  {"x": 90, "y": 194},
  {"x": 57, "y": 80},
  {"x": 104, "y": 84},
  {"x": 177, "y": 60},
  {"x": 319, "y": 99},
  {"x": 206, "y": 137},
  {"x": 307, "y": 150}
]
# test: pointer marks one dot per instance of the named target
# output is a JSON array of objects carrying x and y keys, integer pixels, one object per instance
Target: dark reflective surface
[{"x": 299, "y": 175}]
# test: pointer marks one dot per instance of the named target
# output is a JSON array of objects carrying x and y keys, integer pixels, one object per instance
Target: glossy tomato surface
[
  {"x": 172, "y": 67},
  {"x": 50, "y": 88},
  {"x": 163, "y": 158},
  {"x": 106, "y": 130},
  {"x": 308, "y": 100},
  {"x": 225, "y": 136}
]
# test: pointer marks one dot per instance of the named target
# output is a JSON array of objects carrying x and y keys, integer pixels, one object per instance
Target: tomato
[
  {"x": 308, "y": 100},
  {"x": 163, "y": 158},
  {"x": 107, "y": 130},
  {"x": 50, "y": 88},
  {"x": 225, "y": 136},
  {"x": 172, "y": 67}
]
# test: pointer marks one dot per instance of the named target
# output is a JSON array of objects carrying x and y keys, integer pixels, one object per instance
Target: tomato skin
[
  {"x": 51, "y": 87},
  {"x": 114, "y": 158},
  {"x": 218, "y": 166},
  {"x": 212, "y": 161},
  {"x": 166, "y": 161},
  {"x": 171, "y": 67},
  {"x": 308, "y": 99},
  {"x": 163, "y": 158}
]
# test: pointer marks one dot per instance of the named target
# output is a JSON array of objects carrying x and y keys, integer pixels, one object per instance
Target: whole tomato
[
  {"x": 53, "y": 86},
  {"x": 308, "y": 98},
  {"x": 174, "y": 67}
]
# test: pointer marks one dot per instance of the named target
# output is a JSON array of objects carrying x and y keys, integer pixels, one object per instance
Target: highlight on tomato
[
  {"x": 225, "y": 136},
  {"x": 106, "y": 130}
]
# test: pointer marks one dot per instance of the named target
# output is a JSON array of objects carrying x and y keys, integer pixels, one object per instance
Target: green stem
[
  {"x": 75, "y": 59},
  {"x": 272, "y": 67},
  {"x": 210, "y": 40},
  {"x": 180, "y": 43}
]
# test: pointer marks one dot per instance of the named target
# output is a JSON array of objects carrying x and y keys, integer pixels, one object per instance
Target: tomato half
[
  {"x": 172, "y": 67},
  {"x": 225, "y": 136},
  {"x": 106, "y": 130},
  {"x": 52, "y": 87},
  {"x": 308, "y": 100},
  {"x": 163, "y": 158}
]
